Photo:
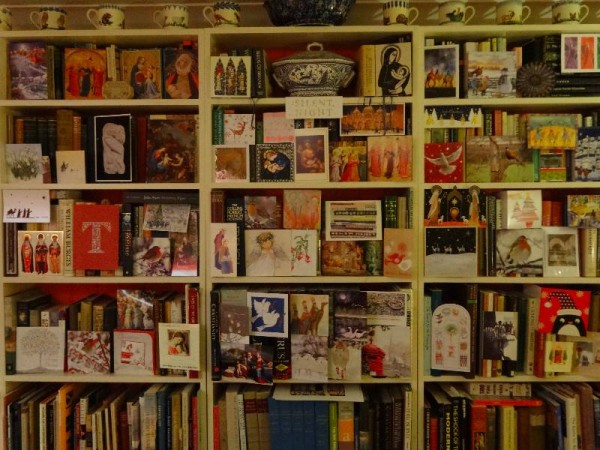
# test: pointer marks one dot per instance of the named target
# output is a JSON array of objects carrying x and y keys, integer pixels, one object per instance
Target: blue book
[
  {"x": 297, "y": 418},
  {"x": 308, "y": 416},
  {"x": 162, "y": 402},
  {"x": 277, "y": 440},
  {"x": 321, "y": 425},
  {"x": 285, "y": 420}
]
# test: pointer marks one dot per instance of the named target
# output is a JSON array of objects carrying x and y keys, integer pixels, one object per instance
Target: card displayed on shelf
[
  {"x": 152, "y": 257},
  {"x": 40, "y": 252},
  {"x": 498, "y": 159},
  {"x": 302, "y": 209},
  {"x": 26, "y": 205},
  {"x": 520, "y": 253},
  {"x": 180, "y": 72},
  {"x": 134, "y": 352},
  {"x": 353, "y": 220},
  {"x": 453, "y": 117},
  {"x": 564, "y": 311},
  {"x": 113, "y": 159},
  {"x": 348, "y": 161},
  {"x": 451, "y": 251},
  {"x": 491, "y": 74},
  {"x": 231, "y": 163},
  {"x": 135, "y": 309},
  {"x": 441, "y": 71},
  {"x": 344, "y": 258},
  {"x": 389, "y": 158},
  {"x": 24, "y": 163},
  {"x": 398, "y": 252},
  {"x": 224, "y": 250},
  {"x": 272, "y": 162},
  {"x": 268, "y": 314},
  {"x": 166, "y": 217},
  {"x": 89, "y": 352},
  {"x": 561, "y": 258},
  {"x": 373, "y": 119},
  {"x": 312, "y": 154},
  {"x": 444, "y": 162},
  {"x": 521, "y": 208},
  {"x": 239, "y": 129},
  {"x": 451, "y": 320},
  {"x": 231, "y": 76},
  {"x": 28, "y": 64},
  {"x": 584, "y": 161},
  {"x": 40, "y": 349},
  {"x": 262, "y": 211},
  {"x": 142, "y": 68},
  {"x": 70, "y": 167},
  {"x": 582, "y": 210},
  {"x": 550, "y": 131},
  {"x": 180, "y": 346},
  {"x": 277, "y": 128},
  {"x": 85, "y": 73}
]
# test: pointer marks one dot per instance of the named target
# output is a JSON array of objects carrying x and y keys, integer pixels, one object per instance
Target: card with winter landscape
[
  {"x": 451, "y": 251},
  {"x": 520, "y": 253},
  {"x": 309, "y": 358}
]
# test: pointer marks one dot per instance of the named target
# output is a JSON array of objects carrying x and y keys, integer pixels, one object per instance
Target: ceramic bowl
[
  {"x": 314, "y": 72},
  {"x": 308, "y": 12}
]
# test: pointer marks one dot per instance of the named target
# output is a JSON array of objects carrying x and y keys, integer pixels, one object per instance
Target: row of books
[
  {"x": 345, "y": 249},
  {"x": 127, "y": 332},
  {"x": 555, "y": 415},
  {"x": 148, "y": 234},
  {"x": 69, "y": 147},
  {"x": 82, "y": 416},
  {"x": 491, "y": 332},
  {"x": 310, "y": 335},
  {"x": 40, "y": 71},
  {"x": 313, "y": 416}
]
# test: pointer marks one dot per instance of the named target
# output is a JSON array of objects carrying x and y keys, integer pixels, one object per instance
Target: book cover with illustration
[
  {"x": 444, "y": 162},
  {"x": 586, "y": 155},
  {"x": 142, "y": 69},
  {"x": 28, "y": 66},
  {"x": 451, "y": 251},
  {"x": 498, "y": 159},
  {"x": 348, "y": 160},
  {"x": 520, "y": 253},
  {"x": 85, "y": 73},
  {"x": 548, "y": 131},
  {"x": 389, "y": 158},
  {"x": 171, "y": 156},
  {"x": 564, "y": 311},
  {"x": 491, "y": 74},
  {"x": 582, "y": 210},
  {"x": 180, "y": 72},
  {"x": 96, "y": 237}
]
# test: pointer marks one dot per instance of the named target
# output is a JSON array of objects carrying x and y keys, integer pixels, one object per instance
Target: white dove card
[
  {"x": 520, "y": 253},
  {"x": 444, "y": 162},
  {"x": 268, "y": 314},
  {"x": 389, "y": 158},
  {"x": 451, "y": 252},
  {"x": 561, "y": 258}
]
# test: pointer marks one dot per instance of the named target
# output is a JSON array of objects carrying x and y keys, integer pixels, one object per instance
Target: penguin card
[
  {"x": 564, "y": 311},
  {"x": 561, "y": 258},
  {"x": 520, "y": 253}
]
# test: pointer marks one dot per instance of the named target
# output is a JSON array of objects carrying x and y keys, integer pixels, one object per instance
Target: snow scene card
[
  {"x": 520, "y": 253},
  {"x": 451, "y": 252}
]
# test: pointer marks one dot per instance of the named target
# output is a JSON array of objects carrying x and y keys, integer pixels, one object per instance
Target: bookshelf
[{"x": 363, "y": 26}]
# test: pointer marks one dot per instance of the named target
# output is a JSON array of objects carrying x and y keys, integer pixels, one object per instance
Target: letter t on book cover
[{"x": 96, "y": 237}]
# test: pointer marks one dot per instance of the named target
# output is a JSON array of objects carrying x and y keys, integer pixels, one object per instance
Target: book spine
[
  {"x": 65, "y": 223},
  {"x": 215, "y": 344},
  {"x": 239, "y": 402},
  {"x": 126, "y": 247},
  {"x": 472, "y": 300},
  {"x": 333, "y": 426},
  {"x": 192, "y": 298},
  {"x": 11, "y": 251},
  {"x": 282, "y": 359},
  {"x": 588, "y": 251},
  {"x": 366, "y": 71},
  {"x": 259, "y": 73},
  {"x": 217, "y": 206}
]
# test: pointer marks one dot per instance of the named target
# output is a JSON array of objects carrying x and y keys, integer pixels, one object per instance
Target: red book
[
  {"x": 216, "y": 428},
  {"x": 505, "y": 401},
  {"x": 478, "y": 426},
  {"x": 96, "y": 237},
  {"x": 192, "y": 315}
]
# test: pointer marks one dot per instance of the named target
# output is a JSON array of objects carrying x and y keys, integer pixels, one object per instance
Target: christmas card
[
  {"x": 444, "y": 162},
  {"x": 521, "y": 208},
  {"x": 564, "y": 311},
  {"x": 520, "y": 253}
]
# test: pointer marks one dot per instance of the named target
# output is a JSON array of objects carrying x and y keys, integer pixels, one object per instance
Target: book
[
  {"x": 95, "y": 237},
  {"x": 171, "y": 150}
]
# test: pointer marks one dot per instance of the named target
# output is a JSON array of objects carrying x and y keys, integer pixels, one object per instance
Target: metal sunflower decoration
[{"x": 535, "y": 79}]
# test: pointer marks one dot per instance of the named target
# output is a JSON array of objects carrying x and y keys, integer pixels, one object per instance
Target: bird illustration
[
  {"x": 512, "y": 154},
  {"x": 269, "y": 318},
  {"x": 153, "y": 254},
  {"x": 519, "y": 252},
  {"x": 445, "y": 162},
  {"x": 353, "y": 334}
]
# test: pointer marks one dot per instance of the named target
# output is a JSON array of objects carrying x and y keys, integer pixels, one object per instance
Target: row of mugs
[
  {"x": 113, "y": 16},
  {"x": 508, "y": 12}
]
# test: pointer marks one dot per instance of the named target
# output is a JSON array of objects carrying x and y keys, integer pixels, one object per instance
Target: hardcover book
[
  {"x": 180, "y": 72},
  {"x": 520, "y": 253},
  {"x": 348, "y": 161},
  {"x": 272, "y": 162},
  {"x": 498, "y": 159},
  {"x": 584, "y": 157},
  {"x": 444, "y": 162},
  {"x": 142, "y": 69},
  {"x": 89, "y": 352},
  {"x": 96, "y": 237},
  {"x": 491, "y": 74},
  {"x": 389, "y": 158},
  {"x": 171, "y": 152},
  {"x": 29, "y": 74},
  {"x": 85, "y": 73},
  {"x": 134, "y": 352}
]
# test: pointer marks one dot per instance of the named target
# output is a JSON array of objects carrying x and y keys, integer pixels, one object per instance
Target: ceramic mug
[
  {"x": 455, "y": 12},
  {"x": 107, "y": 16},
  {"x": 569, "y": 11},
  {"x": 5, "y": 19},
  {"x": 398, "y": 12},
  {"x": 172, "y": 16},
  {"x": 512, "y": 12},
  {"x": 223, "y": 14},
  {"x": 49, "y": 18}
]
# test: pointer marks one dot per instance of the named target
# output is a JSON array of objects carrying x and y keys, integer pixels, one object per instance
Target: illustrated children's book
[
  {"x": 491, "y": 74},
  {"x": 85, "y": 73},
  {"x": 583, "y": 210},
  {"x": 548, "y": 131},
  {"x": 587, "y": 155},
  {"x": 142, "y": 68},
  {"x": 564, "y": 311},
  {"x": 180, "y": 72},
  {"x": 520, "y": 253},
  {"x": 498, "y": 159},
  {"x": 451, "y": 251},
  {"x": 171, "y": 156},
  {"x": 444, "y": 162},
  {"x": 28, "y": 64},
  {"x": 389, "y": 158}
]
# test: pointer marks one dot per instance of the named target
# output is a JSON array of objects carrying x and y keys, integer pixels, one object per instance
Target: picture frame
[
  {"x": 561, "y": 254},
  {"x": 231, "y": 163},
  {"x": 179, "y": 346},
  {"x": 311, "y": 154},
  {"x": 441, "y": 59},
  {"x": 40, "y": 253},
  {"x": 373, "y": 119},
  {"x": 113, "y": 149},
  {"x": 579, "y": 53}
]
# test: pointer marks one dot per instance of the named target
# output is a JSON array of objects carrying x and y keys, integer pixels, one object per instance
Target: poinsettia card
[
  {"x": 444, "y": 162},
  {"x": 564, "y": 311},
  {"x": 96, "y": 237}
]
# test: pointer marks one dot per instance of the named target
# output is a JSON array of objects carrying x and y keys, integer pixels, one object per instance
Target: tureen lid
[{"x": 314, "y": 53}]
